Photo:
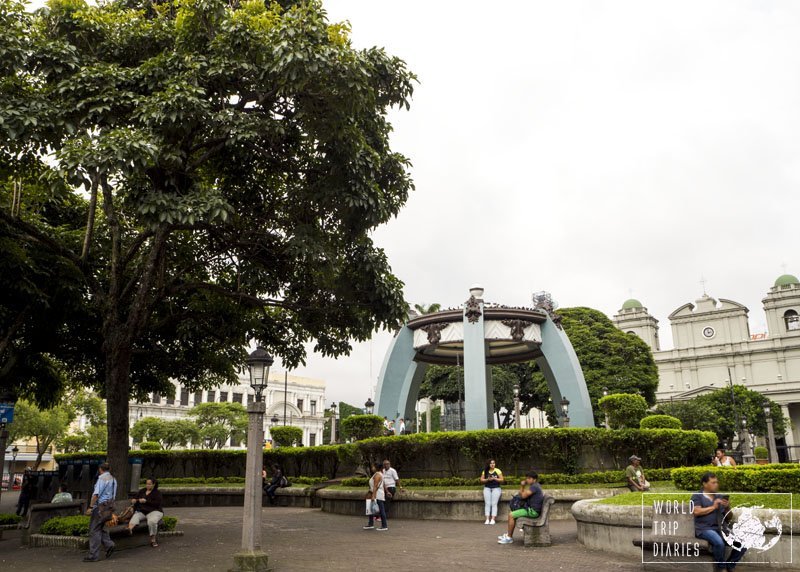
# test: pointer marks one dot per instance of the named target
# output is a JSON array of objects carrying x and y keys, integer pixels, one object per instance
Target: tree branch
[
  {"x": 253, "y": 301},
  {"x": 87, "y": 239}
]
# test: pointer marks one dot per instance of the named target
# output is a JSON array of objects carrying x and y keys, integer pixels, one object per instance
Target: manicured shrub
[
  {"x": 546, "y": 479},
  {"x": 286, "y": 435},
  {"x": 660, "y": 422},
  {"x": 9, "y": 518},
  {"x": 774, "y": 478},
  {"x": 79, "y": 525},
  {"x": 360, "y": 427},
  {"x": 623, "y": 409},
  {"x": 761, "y": 453},
  {"x": 150, "y": 446}
]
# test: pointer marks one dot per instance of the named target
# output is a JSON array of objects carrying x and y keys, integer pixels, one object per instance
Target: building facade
[
  {"x": 713, "y": 347},
  {"x": 290, "y": 399}
]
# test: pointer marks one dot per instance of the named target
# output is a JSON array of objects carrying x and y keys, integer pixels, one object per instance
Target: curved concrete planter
[
  {"x": 300, "y": 497},
  {"x": 449, "y": 505},
  {"x": 612, "y": 528}
]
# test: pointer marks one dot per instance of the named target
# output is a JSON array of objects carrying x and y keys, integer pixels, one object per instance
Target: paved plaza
[{"x": 309, "y": 539}]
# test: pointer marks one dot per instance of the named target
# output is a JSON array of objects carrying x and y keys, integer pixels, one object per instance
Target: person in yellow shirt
[{"x": 492, "y": 478}]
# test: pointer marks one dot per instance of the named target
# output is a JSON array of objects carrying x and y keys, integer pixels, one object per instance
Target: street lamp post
[
  {"x": 369, "y": 406},
  {"x": 516, "y": 406},
  {"x": 14, "y": 453},
  {"x": 333, "y": 423},
  {"x": 564, "y": 412},
  {"x": 747, "y": 453},
  {"x": 773, "y": 451},
  {"x": 605, "y": 393},
  {"x": 252, "y": 558}
]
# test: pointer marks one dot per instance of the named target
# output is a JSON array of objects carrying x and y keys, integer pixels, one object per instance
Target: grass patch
[
  {"x": 661, "y": 485},
  {"x": 745, "y": 499}
]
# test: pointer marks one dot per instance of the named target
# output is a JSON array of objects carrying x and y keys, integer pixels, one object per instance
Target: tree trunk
[{"x": 118, "y": 383}]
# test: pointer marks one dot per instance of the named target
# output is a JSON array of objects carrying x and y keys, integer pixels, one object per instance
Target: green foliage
[
  {"x": 79, "y": 525},
  {"x": 660, "y": 422},
  {"x": 73, "y": 443},
  {"x": 196, "y": 175},
  {"x": 180, "y": 433},
  {"x": 220, "y": 422},
  {"x": 635, "y": 499},
  {"x": 761, "y": 452},
  {"x": 286, "y": 435},
  {"x": 546, "y": 479},
  {"x": 148, "y": 429},
  {"x": 150, "y": 446},
  {"x": 344, "y": 410},
  {"x": 359, "y": 427},
  {"x": 610, "y": 358},
  {"x": 623, "y": 409},
  {"x": 43, "y": 426},
  {"x": 715, "y": 411},
  {"x": 9, "y": 518},
  {"x": 775, "y": 478},
  {"x": 436, "y": 420},
  {"x": 234, "y": 481}
]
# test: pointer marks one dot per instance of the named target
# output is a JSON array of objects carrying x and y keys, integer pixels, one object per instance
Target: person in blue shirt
[
  {"x": 709, "y": 509},
  {"x": 105, "y": 490}
]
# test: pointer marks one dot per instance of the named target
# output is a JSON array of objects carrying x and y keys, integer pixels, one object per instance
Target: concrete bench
[
  {"x": 536, "y": 531},
  {"x": 41, "y": 512}
]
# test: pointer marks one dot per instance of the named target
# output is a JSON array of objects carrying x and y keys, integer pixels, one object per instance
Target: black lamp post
[
  {"x": 251, "y": 556},
  {"x": 14, "y": 453},
  {"x": 369, "y": 406},
  {"x": 516, "y": 406},
  {"x": 564, "y": 412}
]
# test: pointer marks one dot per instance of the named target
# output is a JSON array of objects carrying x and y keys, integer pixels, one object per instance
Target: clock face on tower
[{"x": 708, "y": 332}]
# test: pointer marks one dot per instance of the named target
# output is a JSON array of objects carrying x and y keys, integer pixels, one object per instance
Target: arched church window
[{"x": 792, "y": 320}]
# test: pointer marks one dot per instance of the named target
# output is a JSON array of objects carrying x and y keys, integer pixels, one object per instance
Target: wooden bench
[{"x": 536, "y": 531}]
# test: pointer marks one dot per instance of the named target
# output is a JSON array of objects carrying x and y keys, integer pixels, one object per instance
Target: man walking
[
  {"x": 709, "y": 510},
  {"x": 105, "y": 490}
]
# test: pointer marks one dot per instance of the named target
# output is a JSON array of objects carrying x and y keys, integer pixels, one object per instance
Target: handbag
[
  {"x": 105, "y": 509},
  {"x": 372, "y": 507}
]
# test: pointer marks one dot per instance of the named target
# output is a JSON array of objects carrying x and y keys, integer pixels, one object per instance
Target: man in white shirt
[
  {"x": 402, "y": 426},
  {"x": 391, "y": 482}
]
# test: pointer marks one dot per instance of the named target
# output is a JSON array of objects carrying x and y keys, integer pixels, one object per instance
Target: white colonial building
[
  {"x": 713, "y": 347},
  {"x": 291, "y": 400}
]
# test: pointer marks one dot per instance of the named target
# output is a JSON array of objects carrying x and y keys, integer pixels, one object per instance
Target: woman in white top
[
  {"x": 378, "y": 495},
  {"x": 722, "y": 460}
]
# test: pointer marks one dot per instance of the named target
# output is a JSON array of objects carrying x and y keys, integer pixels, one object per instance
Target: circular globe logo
[{"x": 749, "y": 530}]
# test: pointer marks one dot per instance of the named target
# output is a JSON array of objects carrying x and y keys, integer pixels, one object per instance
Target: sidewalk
[{"x": 308, "y": 539}]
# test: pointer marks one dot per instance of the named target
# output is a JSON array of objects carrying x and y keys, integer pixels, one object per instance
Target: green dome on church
[
  {"x": 632, "y": 304},
  {"x": 786, "y": 279}
]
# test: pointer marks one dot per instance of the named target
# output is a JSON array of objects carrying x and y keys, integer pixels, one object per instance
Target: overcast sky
[
  {"x": 592, "y": 149},
  {"x": 589, "y": 149}
]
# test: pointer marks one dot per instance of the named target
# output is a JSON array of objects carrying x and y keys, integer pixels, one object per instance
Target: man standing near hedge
[
  {"x": 105, "y": 491},
  {"x": 391, "y": 482},
  {"x": 709, "y": 510}
]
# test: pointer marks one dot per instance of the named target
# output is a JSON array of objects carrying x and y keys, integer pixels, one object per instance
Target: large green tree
[
  {"x": 43, "y": 426},
  {"x": 224, "y": 165}
]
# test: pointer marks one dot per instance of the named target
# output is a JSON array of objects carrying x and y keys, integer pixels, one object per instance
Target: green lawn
[
  {"x": 746, "y": 499},
  {"x": 514, "y": 486}
]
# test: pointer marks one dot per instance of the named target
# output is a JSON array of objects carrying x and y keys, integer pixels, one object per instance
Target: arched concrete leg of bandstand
[
  {"x": 564, "y": 376},
  {"x": 401, "y": 376}
]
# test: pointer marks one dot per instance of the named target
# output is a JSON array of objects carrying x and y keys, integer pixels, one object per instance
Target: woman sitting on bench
[{"x": 148, "y": 505}]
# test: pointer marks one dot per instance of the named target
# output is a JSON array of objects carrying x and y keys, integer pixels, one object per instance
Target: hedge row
[
  {"x": 9, "y": 518},
  {"x": 79, "y": 525},
  {"x": 451, "y": 454},
  {"x": 749, "y": 478},
  {"x": 228, "y": 481},
  {"x": 600, "y": 478}
]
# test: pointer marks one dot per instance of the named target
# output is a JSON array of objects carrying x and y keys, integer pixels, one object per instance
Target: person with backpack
[
  {"x": 526, "y": 503},
  {"x": 278, "y": 481}
]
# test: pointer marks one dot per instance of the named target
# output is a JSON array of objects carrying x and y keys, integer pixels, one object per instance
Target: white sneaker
[
  {"x": 487, "y": 521},
  {"x": 505, "y": 540},
  {"x": 502, "y": 536},
  {"x": 492, "y": 522}
]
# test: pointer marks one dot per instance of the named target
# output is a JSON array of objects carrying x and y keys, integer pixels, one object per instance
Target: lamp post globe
[
  {"x": 275, "y": 419},
  {"x": 369, "y": 406},
  {"x": 258, "y": 363}
]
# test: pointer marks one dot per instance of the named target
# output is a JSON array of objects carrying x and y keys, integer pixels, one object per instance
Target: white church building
[{"x": 713, "y": 344}]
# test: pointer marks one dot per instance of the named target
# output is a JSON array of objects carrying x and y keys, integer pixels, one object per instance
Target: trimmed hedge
[
  {"x": 9, "y": 518},
  {"x": 775, "y": 478},
  {"x": 79, "y": 525},
  {"x": 150, "y": 446},
  {"x": 452, "y": 453},
  {"x": 360, "y": 427},
  {"x": 548, "y": 479},
  {"x": 228, "y": 481},
  {"x": 660, "y": 422},
  {"x": 286, "y": 435},
  {"x": 761, "y": 452}
]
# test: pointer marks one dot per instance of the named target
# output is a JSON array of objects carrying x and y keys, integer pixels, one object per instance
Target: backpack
[{"x": 517, "y": 502}]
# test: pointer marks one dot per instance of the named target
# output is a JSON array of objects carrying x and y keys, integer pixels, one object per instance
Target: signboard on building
[{"x": 6, "y": 412}]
